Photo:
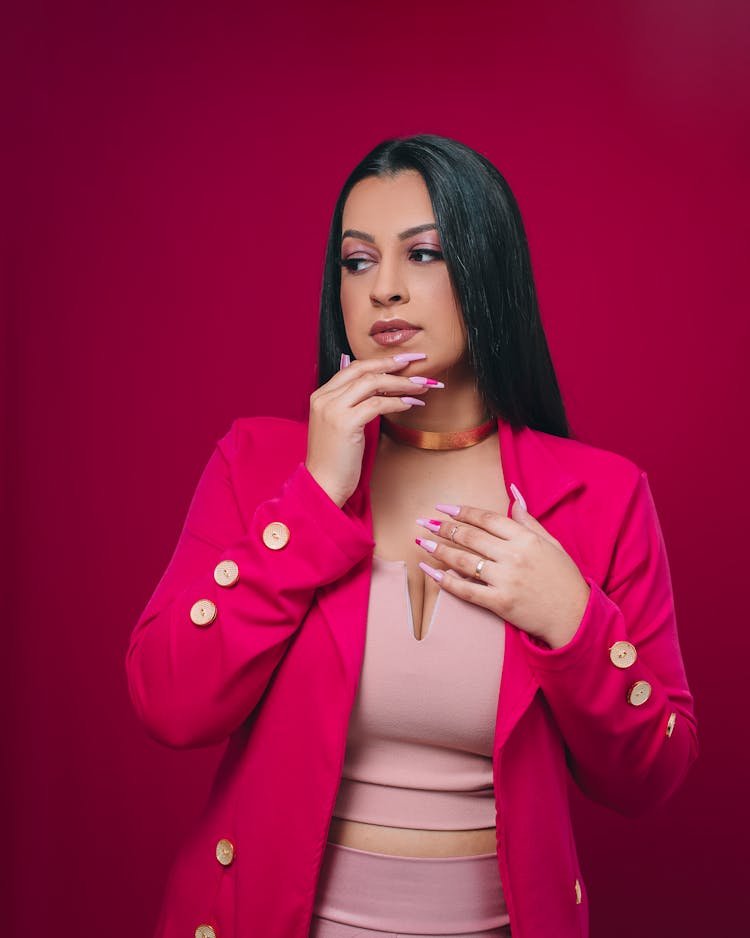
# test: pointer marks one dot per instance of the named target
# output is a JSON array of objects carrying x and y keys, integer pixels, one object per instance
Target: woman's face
[{"x": 390, "y": 271}]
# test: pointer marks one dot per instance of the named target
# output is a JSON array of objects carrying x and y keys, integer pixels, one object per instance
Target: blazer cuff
[{"x": 331, "y": 537}]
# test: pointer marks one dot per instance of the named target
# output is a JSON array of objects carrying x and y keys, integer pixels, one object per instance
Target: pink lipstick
[{"x": 393, "y": 331}]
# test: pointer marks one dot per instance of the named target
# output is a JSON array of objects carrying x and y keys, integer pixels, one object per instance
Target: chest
[{"x": 406, "y": 484}]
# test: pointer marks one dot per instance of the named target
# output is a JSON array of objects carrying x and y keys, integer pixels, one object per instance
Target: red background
[{"x": 173, "y": 169}]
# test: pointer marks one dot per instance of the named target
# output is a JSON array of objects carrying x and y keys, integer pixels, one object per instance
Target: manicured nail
[
  {"x": 517, "y": 495},
  {"x": 426, "y": 543},
  {"x": 409, "y": 356},
  {"x": 430, "y": 382},
  {"x": 412, "y": 400},
  {"x": 345, "y": 361},
  {"x": 436, "y": 575},
  {"x": 430, "y": 524},
  {"x": 451, "y": 510}
]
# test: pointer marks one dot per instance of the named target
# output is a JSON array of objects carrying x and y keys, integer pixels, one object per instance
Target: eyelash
[{"x": 350, "y": 262}]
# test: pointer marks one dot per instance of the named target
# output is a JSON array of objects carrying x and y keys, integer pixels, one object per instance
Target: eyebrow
[{"x": 417, "y": 229}]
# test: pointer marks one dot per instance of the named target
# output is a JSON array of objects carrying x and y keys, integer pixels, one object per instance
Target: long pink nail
[
  {"x": 345, "y": 361},
  {"x": 436, "y": 575},
  {"x": 430, "y": 524},
  {"x": 430, "y": 382},
  {"x": 426, "y": 543},
  {"x": 409, "y": 356},
  {"x": 412, "y": 400},
  {"x": 517, "y": 495},
  {"x": 451, "y": 510}
]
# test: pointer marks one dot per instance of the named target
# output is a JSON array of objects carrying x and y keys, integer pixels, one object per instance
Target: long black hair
[{"x": 484, "y": 245}]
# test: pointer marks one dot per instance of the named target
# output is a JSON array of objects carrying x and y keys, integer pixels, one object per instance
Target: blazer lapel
[
  {"x": 527, "y": 461},
  {"x": 530, "y": 462}
]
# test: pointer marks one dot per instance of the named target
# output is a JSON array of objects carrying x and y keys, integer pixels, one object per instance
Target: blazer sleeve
[
  {"x": 630, "y": 731},
  {"x": 193, "y": 685}
]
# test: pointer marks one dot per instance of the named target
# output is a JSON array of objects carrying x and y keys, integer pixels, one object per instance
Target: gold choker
[{"x": 437, "y": 439}]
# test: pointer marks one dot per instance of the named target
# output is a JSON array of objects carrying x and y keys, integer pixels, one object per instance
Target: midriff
[{"x": 410, "y": 842}]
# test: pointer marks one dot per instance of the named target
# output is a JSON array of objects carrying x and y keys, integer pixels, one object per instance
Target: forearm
[
  {"x": 196, "y": 672},
  {"x": 630, "y": 733},
  {"x": 618, "y": 688}
]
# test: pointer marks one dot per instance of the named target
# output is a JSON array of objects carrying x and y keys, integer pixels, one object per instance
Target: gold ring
[
  {"x": 453, "y": 531},
  {"x": 478, "y": 571}
]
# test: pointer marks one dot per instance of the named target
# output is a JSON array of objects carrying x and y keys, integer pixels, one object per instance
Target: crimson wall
[{"x": 170, "y": 176}]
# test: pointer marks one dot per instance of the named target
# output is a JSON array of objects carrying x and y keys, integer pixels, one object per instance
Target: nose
[{"x": 389, "y": 286}]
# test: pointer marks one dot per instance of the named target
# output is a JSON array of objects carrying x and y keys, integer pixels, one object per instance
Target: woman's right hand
[{"x": 339, "y": 410}]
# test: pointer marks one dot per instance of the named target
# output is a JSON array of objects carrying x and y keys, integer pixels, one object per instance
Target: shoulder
[
  {"x": 597, "y": 467},
  {"x": 603, "y": 492},
  {"x": 612, "y": 504},
  {"x": 253, "y": 437},
  {"x": 260, "y": 453},
  {"x": 259, "y": 449}
]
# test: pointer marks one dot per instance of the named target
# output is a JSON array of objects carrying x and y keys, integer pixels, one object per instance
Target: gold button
[
  {"x": 203, "y": 612},
  {"x": 670, "y": 723},
  {"x": 622, "y": 654},
  {"x": 639, "y": 693},
  {"x": 205, "y": 931},
  {"x": 225, "y": 851},
  {"x": 579, "y": 894},
  {"x": 275, "y": 535},
  {"x": 226, "y": 573}
]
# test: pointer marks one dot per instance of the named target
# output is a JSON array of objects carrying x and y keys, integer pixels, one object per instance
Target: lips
[{"x": 392, "y": 325}]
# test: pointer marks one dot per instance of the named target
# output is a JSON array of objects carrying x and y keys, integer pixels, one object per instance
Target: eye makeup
[
  {"x": 432, "y": 253},
  {"x": 350, "y": 263}
]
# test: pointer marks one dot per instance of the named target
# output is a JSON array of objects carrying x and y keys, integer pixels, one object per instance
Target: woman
[{"x": 413, "y": 615}]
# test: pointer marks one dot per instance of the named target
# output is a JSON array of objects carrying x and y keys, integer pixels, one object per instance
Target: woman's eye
[
  {"x": 421, "y": 255},
  {"x": 434, "y": 255},
  {"x": 350, "y": 263}
]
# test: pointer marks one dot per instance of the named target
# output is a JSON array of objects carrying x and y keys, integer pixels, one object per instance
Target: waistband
[{"x": 416, "y": 895}]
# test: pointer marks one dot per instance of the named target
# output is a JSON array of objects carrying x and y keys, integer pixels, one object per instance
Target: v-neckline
[{"x": 409, "y": 608}]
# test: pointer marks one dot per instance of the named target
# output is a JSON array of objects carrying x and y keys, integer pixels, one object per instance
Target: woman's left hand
[{"x": 527, "y": 577}]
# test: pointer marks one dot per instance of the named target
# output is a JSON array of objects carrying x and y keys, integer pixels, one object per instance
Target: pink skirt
[{"x": 361, "y": 893}]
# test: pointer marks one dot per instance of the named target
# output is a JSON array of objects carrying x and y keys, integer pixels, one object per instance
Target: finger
[
  {"x": 477, "y": 540},
  {"x": 459, "y": 559},
  {"x": 494, "y": 522},
  {"x": 380, "y": 384},
  {"x": 522, "y": 516},
  {"x": 370, "y": 408},
  {"x": 360, "y": 366},
  {"x": 372, "y": 371},
  {"x": 471, "y": 590}
]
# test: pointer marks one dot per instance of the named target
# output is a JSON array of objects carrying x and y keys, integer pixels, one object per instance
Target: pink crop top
[{"x": 419, "y": 742}]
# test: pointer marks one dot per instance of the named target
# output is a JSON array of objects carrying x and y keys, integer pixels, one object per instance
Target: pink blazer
[{"x": 265, "y": 652}]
